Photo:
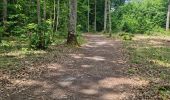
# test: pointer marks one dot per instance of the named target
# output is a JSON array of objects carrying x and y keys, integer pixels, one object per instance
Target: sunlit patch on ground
[{"x": 151, "y": 56}]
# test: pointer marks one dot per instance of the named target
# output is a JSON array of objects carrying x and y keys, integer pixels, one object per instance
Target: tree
[
  {"x": 168, "y": 16},
  {"x": 105, "y": 15},
  {"x": 88, "y": 15},
  {"x": 58, "y": 14},
  {"x": 38, "y": 12},
  {"x": 110, "y": 18},
  {"x": 72, "y": 38},
  {"x": 44, "y": 9},
  {"x": 54, "y": 16},
  {"x": 95, "y": 11},
  {"x": 5, "y": 12}
]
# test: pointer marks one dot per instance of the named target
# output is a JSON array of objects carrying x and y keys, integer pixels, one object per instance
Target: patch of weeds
[
  {"x": 126, "y": 36},
  {"x": 131, "y": 71},
  {"x": 164, "y": 92}
]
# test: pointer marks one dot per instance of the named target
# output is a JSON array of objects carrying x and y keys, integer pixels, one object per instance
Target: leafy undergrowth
[{"x": 150, "y": 59}]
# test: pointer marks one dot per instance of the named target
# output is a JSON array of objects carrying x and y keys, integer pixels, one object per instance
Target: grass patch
[
  {"x": 151, "y": 60},
  {"x": 164, "y": 92}
]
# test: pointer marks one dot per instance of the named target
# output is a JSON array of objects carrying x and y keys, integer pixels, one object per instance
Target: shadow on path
[{"x": 94, "y": 72}]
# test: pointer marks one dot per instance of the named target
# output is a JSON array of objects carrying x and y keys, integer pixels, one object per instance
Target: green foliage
[
  {"x": 165, "y": 92},
  {"x": 126, "y": 36},
  {"x": 5, "y": 44},
  {"x": 143, "y": 16},
  {"x": 42, "y": 37}
]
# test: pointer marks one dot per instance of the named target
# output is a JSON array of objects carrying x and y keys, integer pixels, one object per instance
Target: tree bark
[
  {"x": 44, "y": 9},
  {"x": 5, "y": 12},
  {"x": 105, "y": 15},
  {"x": 110, "y": 20},
  {"x": 72, "y": 38},
  {"x": 58, "y": 14},
  {"x": 95, "y": 17},
  {"x": 38, "y": 12},
  {"x": 54, "y": 16},
  {"x": 168, "y": 18},
  {"x": 88, "y": 22}
]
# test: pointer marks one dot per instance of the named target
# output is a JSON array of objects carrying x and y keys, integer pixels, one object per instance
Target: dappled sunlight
[
  {"x": 54, "y": 66},
  {"x": 89, "y": 91},
  {"x": 113, "y": 82},
  {"x": 21, "y": 53},
  {"x": 77, "y": 56},
  {"x": 144, "y": 37},
  {"x": 30, "y": 82},
  {"x": 115, "y": 96},
  {"x": 87, "y": 66},
  {"x": 101, "y": 43},
  {"x": 119, "y": 62},
  {"x": 161, "y": 63},
  {"x": 96, "y": 58},
  {"x": 90, "y": 46},
  {"x": 155, "y": 42}
]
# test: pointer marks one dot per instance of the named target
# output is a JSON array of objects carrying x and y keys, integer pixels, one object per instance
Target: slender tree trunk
[
  {"x": 4, "y": 12},
  {"x": 95, "y": 17},
  {"x": 54, "y": 17},
  {"x": 88, "y": 22},
  {"x": 44, "y": 9},
  {"x": 41, "y": 43},
  {"x": 38, "y": 12},
  {"x": 168, "y": 18},
  {"x": 110, "y": 20},
  {"x": 72, "y": 39},
  {"x": 105, "y": 15},
  {"x": 58, "y": 14}
]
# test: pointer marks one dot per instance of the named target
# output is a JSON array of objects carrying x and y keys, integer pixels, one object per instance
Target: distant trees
[{"x": 57, "y": 18}]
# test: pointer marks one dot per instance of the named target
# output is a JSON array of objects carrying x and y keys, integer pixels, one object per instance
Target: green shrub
[
  {"x": 126, "y": 36},
  {"x": 42, "y": 37}
]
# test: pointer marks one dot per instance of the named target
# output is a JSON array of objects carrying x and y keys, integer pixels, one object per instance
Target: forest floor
[{"x": 102, "y": 69}]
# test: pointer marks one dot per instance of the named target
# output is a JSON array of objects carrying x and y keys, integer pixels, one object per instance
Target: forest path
[{"x": 94, "y": 72}]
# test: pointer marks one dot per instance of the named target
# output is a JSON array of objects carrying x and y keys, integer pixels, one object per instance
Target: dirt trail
[{"x": 94, "y": 72}]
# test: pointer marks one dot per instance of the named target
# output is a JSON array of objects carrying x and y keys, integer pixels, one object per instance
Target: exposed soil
[{"x": 94, "y": 71}]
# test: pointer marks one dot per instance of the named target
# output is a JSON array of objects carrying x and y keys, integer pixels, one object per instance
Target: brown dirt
[{"x": 94, "y": 71}]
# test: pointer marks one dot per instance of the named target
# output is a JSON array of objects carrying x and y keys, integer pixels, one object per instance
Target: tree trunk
[
  {"x": 58, "y": 14},
  {"x": 105, "y": 15},
  {"x": 44, "y": 9},
  {"x": 168, "y": 18},
  {"x": 38, "y": 12},
  {"x": 110, "y": 18},
  {"x": 72, "y": 38},
  {"x": 95, "y": 17},
  {"x": 4, "y": 12},
  {"x": 88, "y": 22},
  {"x": 54, "y": 17}
]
